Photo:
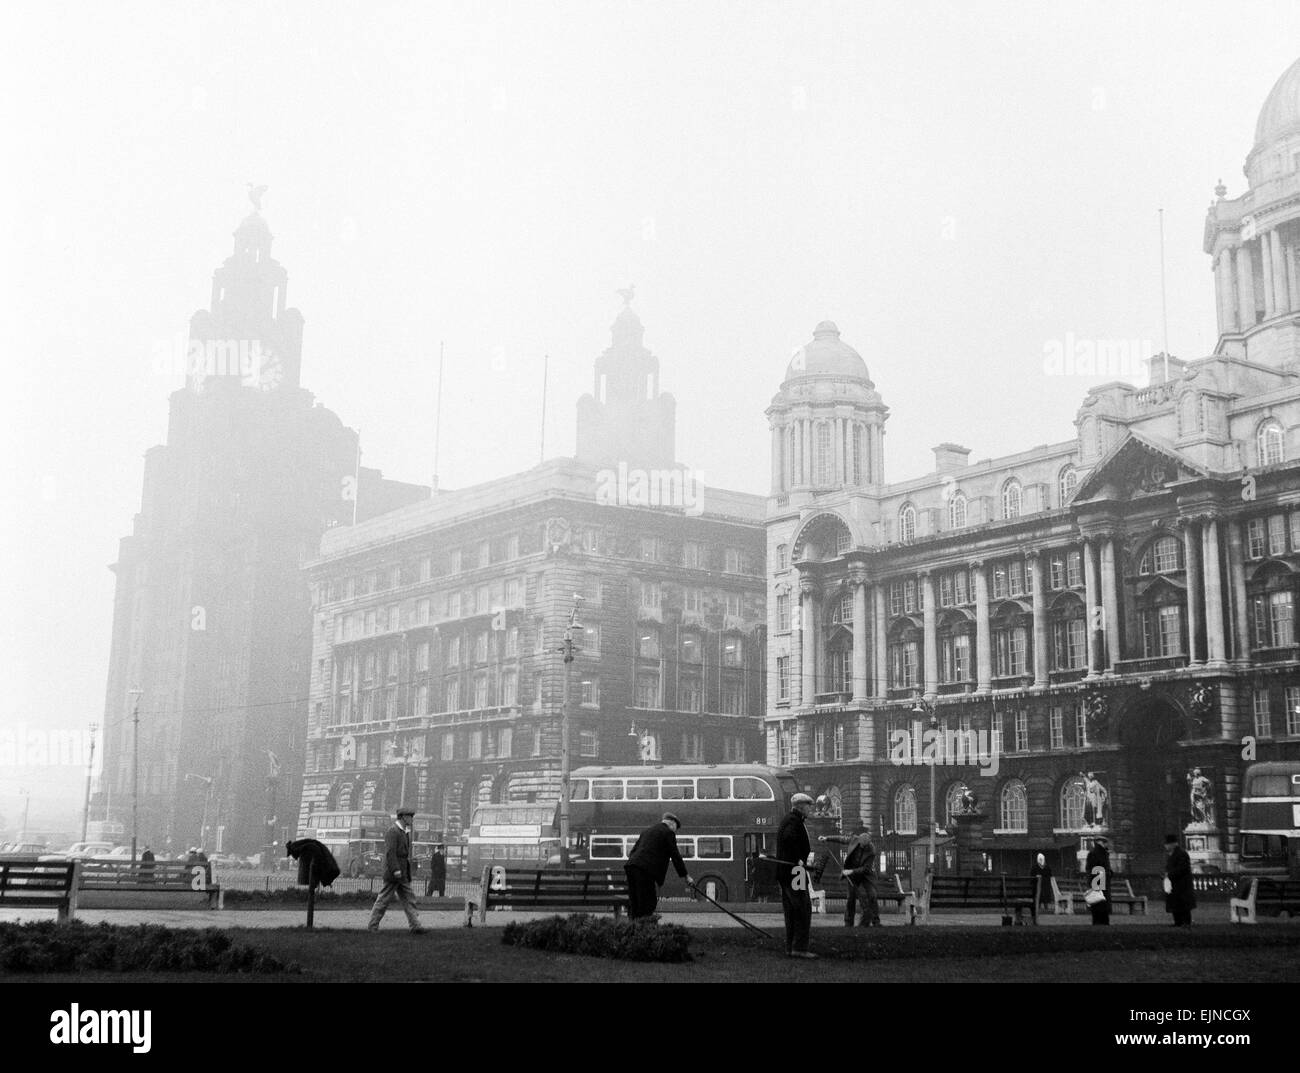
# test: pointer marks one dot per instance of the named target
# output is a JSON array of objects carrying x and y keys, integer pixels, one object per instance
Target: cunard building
[
  {"x": 1092, "y": 637},
  {"x": 438, "y": 676}
]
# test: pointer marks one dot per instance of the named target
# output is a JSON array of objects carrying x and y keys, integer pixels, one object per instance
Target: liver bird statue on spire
[
  {"x": 255, "y": 196},
  {"x": 627, "y": 293}
]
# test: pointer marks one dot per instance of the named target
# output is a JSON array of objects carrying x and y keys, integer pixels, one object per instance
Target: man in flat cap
[
  {"x": 647, "y": 865},
  {"x": 792, "y": 851},
  {"x": 397, "y": 872}
]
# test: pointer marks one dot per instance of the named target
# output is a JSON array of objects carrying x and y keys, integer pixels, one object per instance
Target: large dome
[
  {"x": 826, "y": 355},
  {"x": 1281, "y": 112}
]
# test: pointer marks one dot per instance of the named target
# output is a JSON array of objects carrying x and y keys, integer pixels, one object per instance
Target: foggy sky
[{"x": 956, "y": 185}]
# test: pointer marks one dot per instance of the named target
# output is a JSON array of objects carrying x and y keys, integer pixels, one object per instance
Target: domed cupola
[
  {"x": 827, "y": 355},
  {"x": 1280, "y": 115},
  {"x": 827, "y": 421}
]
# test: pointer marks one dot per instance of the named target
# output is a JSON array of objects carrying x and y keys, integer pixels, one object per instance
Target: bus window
[
  {"x": 714, "y": 789},
  {"x": 748, "y": 788},
  {"x": 606, "y": 847},
  {"x": 678, "y": 789},
  {"x": 686, "y": 847},
  {"x": 1271, "y": 785},
  {"x": 713, "y": 848},
  {"x": 642, "y": 789},
  {"x": 579, "y": 790},
  {"x": 607, "y": 790}
]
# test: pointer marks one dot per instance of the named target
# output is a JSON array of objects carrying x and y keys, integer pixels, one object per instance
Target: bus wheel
[
  {"x": 714, "y": 887},
  {"x": 354, "y": 869}
]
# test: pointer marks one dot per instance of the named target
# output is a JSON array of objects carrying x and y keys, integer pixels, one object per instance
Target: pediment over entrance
[{"x": 1138, "y": 465}]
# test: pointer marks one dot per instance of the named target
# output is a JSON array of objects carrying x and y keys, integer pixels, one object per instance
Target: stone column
[
  {"x": 882, "y": 644},
  {"x": 1110, "y": 600},
  {"x": 1090, "y": 607},
  {"x": 860, "y": 687},
  {"x": 1240, "y": 609},
  {"x": 1214, "y": 636},
  {"x": 1223, "y": 291},
  {"x": 1035, "y": 560},
  {"x": 930, "y": 617},
  {"x": 1195, "y": 593},
  {"x": 1246, "y": 286},
  {"x": 796, "y": 651},
  {"x": 1293, "y": 281},
  {"x": 983, "y": 638},
  {"x": 778, "y": 477},
  {"x": 808, "y": 591},
  {"x": 1280, "y": 298},
  {"x": 1266, "y": 259}
]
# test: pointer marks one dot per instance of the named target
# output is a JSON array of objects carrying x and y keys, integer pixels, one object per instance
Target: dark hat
[
  {"x": 672, "y": 816},
  {"x": 1101, "y": 840},
  {"x": 1171, "y": 840},
  {"x": 404, "y": 810},
  {"x": 861, "y": 829},
  {"x": 801, "y": 799}
]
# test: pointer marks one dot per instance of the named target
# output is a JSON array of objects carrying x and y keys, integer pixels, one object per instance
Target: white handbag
[{"x": 1169, "y": 887}]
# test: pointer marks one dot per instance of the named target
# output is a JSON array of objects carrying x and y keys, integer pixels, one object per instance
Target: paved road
[{"x": 355, "y": 919}]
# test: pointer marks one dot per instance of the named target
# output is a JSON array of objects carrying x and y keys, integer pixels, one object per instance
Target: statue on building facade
[
  {"x": 1094, "y": 801},
  {"x": 1201, "y": 793}
]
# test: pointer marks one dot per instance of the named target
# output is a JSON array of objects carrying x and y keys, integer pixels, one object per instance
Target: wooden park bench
[
  {"x": 546, "y": 888},
  {"x": 1067, "y": 892},
  {"x": 161, "y": 884},
  {"x": 1009, "y": 894},
  {"x": 28, "y": 883},
  {"x": 1265, "y": 896}
]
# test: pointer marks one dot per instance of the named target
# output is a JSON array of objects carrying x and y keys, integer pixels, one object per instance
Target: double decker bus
[
  {"x": 357, "y": 838},
  {"x": 728, "y": 812},
  {"x": 517, "y": 835},
  {"x": 1270, "y": 819}
]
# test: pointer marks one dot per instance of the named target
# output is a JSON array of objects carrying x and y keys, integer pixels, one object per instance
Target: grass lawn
[{"x": 1156, "y": 954}]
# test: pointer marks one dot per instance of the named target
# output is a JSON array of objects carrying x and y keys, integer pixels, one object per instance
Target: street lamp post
[
  {"x": 923, "y": 708},
  {"x": 567, "y": 649},
  {"x": 135, "y": 773},
  {"x": 207, "y": 797},
  {"x": 27, "y": 803},
  {"x": 90, "y": 767}
]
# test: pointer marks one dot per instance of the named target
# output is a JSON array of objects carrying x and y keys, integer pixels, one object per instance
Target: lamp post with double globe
[{"x": 921, "y": 708}]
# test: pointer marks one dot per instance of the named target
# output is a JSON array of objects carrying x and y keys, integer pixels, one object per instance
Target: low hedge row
[
  {"x": 604, "y": 937},
  {"x": 46, "y": 946}
]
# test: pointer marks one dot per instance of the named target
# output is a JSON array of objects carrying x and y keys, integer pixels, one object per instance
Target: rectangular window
[
  {"x": 1074, "y": 569},
  {"x": 591, "y": 692},
  {"x": 819, "y": 745},
  {"x": 734, "y": 605},
  {"x": 1281, "y": 607},
  {"x": 588, "y": 743},
  {"x": 946, "y": 591},
  {"x": 1000, "y": 581},
  {"x": 733, "y": 749},
  {"x": 1293, "y": 710},
  {"x": 449, "y": 746},
  {"x": 589, "y": 642},
  {"x": 455, "y": 561},
  {"x": 512, "y": 546},
  {"x": 484, "y": 553},
  {"x": 691, "y": 555},
  {"x": 1263, "y": 715},
  {"x": 481, "y": 647},
  {"x": 783, "y": 677},
  {"x": 480, "y": 691},
  {"x": 782, "y": 612},
  {"x": 692, "y": 747},
  {"x": 1022, "y": 731},
  {"x": 650, "y": 595},
  {"x": 733, "y": 699},
  {"x": 1255, "y": 538},
  {"x": 909, "y": 595},
  {"x": 1017, "y": 578},
  {"x": 895, "y": 598},
  {"x": 733, "y": 652},
  {"x": 837, "y": 742},
  {"x": 647, "y": 690},
  {"x": 731, "y": 563},
  {"x": 1056, "y": 728},
  {"x": 1295, "y": 530},
  {"x": 962, "y": 587},
  {"x": 509, "y": 689},
  {"x": 422, "y": 656},
  {"x": 995, "y": 734},
  {"x": 1057, "y": 572},
  {"x": 512, "y": 642},
  {"x": 453, "y": 696},
  {"x": 649, "y": 549},
  {"x": 688, "y": 695},
  {"x": 787, "y": 745},
  {"x": 1277, "y": 534}
]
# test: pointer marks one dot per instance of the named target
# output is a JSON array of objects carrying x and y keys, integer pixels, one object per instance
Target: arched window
[
  {"x": 1268, "y": 442},
  {"x": 1014, "y": 810},
  {"x": 953, "y": 802},
  {"x": 957, "y": 511},
  {"x": 905, "y": 811},
  {"x": 1163, "y": 556},
  {"x": 907, "y": 522},
  {"x": 825, "y": 460},
  {"x": 1073, "y": 796},
  {"x": 1066, "y": 483},
  {"x": 1011, "y": 499}
]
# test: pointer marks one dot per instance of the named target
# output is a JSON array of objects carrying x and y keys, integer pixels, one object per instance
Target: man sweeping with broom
[{"x": 859, "y": 864}]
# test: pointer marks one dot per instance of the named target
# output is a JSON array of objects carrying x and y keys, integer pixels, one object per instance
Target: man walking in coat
[
  {"x": 1181, "y": 898},
  {"x": 397, "y": 873},
  {"x": 792, "y": 851},
  {"x": 859, "y": 863},
  {"x": 647, "y": 865},
  {"x": 437, "y": 882}
]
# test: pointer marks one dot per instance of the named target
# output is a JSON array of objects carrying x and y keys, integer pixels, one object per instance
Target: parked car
[
  {"x": 117, "y": 853},
  {"x": 23, "y": 849},
  {"x": 80, "y": 851}
]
